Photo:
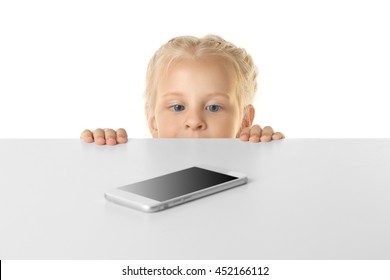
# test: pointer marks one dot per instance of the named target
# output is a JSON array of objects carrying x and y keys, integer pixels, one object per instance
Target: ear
[
  {"x": 248, "y": 117},
  {"x": 151, "y": 119}
]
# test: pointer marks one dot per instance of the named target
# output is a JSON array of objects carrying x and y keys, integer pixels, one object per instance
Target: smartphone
[{"x": 175, "y": 188}]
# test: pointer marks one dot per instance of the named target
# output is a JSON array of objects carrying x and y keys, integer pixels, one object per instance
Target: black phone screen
[{"x": 177, "y": 183}]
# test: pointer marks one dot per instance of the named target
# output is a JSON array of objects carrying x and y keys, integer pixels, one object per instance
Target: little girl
[{"x": 197, "y": 87}]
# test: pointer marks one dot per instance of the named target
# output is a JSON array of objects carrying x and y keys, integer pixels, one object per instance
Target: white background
[{"x": 70, "y": 65}]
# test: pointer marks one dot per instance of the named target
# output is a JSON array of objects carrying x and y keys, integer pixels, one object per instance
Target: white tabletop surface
[{"x": 305, "y": 199}]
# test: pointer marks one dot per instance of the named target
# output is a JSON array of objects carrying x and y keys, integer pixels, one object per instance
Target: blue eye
[
  {"x": 177, "y": 108},
  {"x": 213, "y": 108}
]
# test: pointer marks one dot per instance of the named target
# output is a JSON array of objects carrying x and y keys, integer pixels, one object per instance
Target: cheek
[
  {"x": 165, "y": 122},
  {"x": 227, "y": 126},
  {"x": 235, "y": 118}
]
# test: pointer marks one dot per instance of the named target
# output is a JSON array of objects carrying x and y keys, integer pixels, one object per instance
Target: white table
[{"x": 306, "y": 199}]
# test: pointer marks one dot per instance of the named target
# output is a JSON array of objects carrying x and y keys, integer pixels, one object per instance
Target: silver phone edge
[
  {"x": 129, "y": 204},
  {"x": 177, "y": 200}
]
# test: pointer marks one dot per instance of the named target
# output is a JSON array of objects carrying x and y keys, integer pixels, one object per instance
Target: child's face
[{"x": 197, "y": 98}]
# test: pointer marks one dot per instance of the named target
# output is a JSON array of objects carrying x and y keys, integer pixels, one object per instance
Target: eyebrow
[{"x": 213, "y": 94}]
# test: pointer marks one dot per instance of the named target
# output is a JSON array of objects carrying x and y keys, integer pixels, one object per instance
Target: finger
[
  {"x": 87, "y": 136},
  {"x": 121, "y": 136},
  {"x": 267, "y": 134},
  {"x": 255, "y": 133},
  {"x": 110, "y": 136},
  {"x": 98, "y": 135},
  {"x": 278, "y": 136},
  {"x": 244, "y": 135}
]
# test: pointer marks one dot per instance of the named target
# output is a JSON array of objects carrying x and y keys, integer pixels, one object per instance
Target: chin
[
  {"x": 194, "y": 135},
  {"x": 205, "y": 136}
]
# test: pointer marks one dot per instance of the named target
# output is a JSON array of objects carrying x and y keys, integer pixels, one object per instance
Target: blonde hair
[{"x": 193, "y": 47}]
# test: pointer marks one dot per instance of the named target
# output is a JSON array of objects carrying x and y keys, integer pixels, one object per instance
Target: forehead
[{"x": 210, "y": 73}]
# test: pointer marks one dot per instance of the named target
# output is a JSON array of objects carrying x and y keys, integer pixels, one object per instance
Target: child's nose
[{"x": 195, "y": 121}]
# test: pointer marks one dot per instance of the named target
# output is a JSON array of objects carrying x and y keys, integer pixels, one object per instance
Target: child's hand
[
  {"x": 257, "y": 134},
  {"x": 105, "y": 136}
]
